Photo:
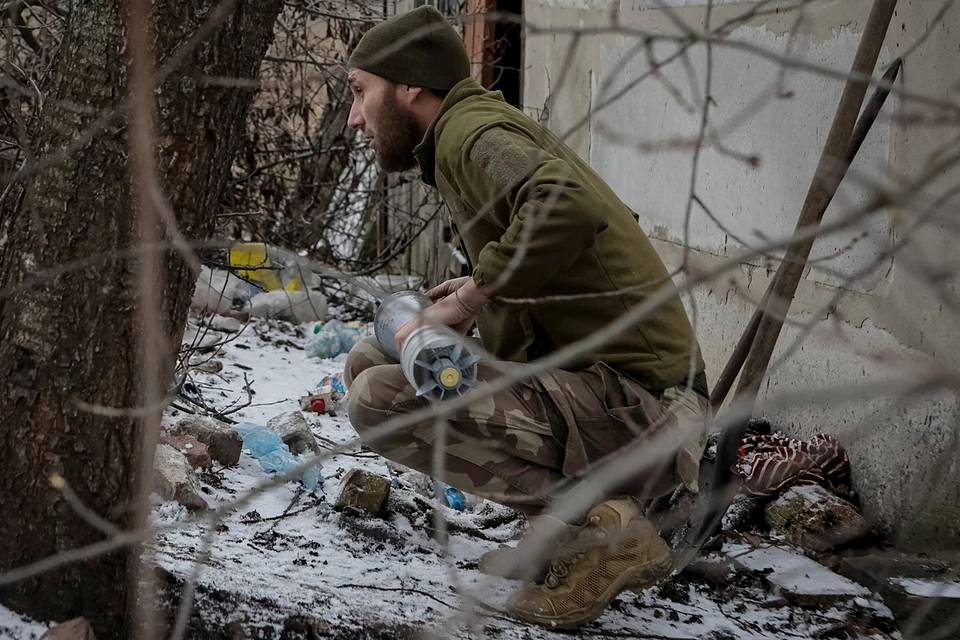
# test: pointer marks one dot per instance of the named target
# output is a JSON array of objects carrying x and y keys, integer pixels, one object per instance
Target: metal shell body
[
  {"x": 436, "y": 360},
  {"x": 396, "y": 309}
]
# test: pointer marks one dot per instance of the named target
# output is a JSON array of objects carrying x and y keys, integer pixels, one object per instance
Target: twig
[
  {"x": 180, "y": 407},
  {"x": 286, "y": 512},
  {"x": 58, "y": 482},
  {"x": 290, "y": 514},
  {"x": 396, "y": 590},
  {"x": 246, "y": 387},
  {"x": 494, "y": 613}
]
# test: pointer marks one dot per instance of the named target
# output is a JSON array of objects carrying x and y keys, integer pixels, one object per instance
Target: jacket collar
[{"x": 426, "y": 151}]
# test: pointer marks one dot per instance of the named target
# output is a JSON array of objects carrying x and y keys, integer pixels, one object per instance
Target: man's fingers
[
  {"x": 463, "y": 326},
  {"x": 439, "y": 291},
  {"x": 444, "y": 289}
]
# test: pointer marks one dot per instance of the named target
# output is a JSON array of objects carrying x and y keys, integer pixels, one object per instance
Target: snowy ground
[
  {"x": 17, "y": 627},
  {"x": 290, "y": 556}
]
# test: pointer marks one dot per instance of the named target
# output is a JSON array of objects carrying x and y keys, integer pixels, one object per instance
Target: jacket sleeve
[{"x": 550, "y": 219}]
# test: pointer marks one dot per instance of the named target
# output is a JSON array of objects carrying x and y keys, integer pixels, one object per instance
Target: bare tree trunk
[
  {"x": 71, "y": 338},
  {"x": 335, "y": 144}
]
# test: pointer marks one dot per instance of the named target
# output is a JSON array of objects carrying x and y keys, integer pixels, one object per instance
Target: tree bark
[{"x": 72, "y": 337}]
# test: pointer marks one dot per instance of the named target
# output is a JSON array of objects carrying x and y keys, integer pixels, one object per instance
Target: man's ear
[{"x": 411, "y": 93}]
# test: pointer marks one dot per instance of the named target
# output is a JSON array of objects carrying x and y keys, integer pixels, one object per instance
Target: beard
[{"x": 397, "y": 136}]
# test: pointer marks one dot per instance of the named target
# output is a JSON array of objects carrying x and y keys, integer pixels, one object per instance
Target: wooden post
[
  {"x": 478, "y": 36},
  {"x": 740, "y": 352},
  {"x": 830, "y": 171}
]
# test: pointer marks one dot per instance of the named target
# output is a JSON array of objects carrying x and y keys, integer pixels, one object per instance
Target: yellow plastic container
[{"x": 252, "y": 260}]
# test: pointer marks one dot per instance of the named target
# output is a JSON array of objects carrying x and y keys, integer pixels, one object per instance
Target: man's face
[{"x": 390, "y": 126}]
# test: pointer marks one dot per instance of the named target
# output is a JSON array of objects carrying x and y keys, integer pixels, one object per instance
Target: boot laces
[{"x": 572, "y": 552}]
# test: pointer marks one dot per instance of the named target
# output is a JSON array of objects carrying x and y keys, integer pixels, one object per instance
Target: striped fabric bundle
[{"x": 769, "y": 464}]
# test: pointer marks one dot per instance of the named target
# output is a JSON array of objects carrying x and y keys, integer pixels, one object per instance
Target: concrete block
[
  {"x": 195, "y": 451},
  {"x": 363, "y": 490},
  {"x": 176, "y": 479},
  {"x": 293, "y": 429},
  {"x": 924, "y": 600},
  {"x": 797, "y": 578}
]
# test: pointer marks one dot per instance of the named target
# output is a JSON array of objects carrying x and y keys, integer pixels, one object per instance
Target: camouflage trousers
[{"x": 517, "y": 446}]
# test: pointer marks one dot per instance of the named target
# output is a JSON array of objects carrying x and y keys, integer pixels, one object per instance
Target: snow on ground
[
  {"x": 15, "y": 626},
  {"x": 289, "y": 553},
  {"x": 930, "y": 588},
  {"x": 796, "y": 573}
]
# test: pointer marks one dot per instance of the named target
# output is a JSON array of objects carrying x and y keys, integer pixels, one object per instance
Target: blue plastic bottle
[{"x": 455, "y": 499}]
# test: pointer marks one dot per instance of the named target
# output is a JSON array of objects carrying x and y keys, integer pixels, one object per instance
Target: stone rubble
[
  {"x": 193, "y": 450},
  {"x": 295, "y": 432},
  {"x": 176, "y": 479},
  {"x": 364, "y": 491},
  {"x": 223, "y": 442},
  {"x": 814, "y": 519}
]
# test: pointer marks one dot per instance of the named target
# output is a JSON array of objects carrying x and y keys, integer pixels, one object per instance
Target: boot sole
[{"x": 636, "y": 580}]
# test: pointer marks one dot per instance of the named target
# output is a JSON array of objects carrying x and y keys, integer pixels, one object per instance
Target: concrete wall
[{"x": 876, "y": 327}]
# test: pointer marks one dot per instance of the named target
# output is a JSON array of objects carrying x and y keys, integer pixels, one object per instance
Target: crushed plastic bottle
[
  {"x": 334, "y": 382},
  {"x": 331, "y": 339},
  {"x": 320, "y": 400},
  {"x": 455, "y": 499},
  {"x": 273, "y": 454},
  {"x": 326, "y": 397}
]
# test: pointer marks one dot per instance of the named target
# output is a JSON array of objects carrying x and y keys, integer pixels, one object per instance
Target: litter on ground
[{"x": 294, "y": 558}]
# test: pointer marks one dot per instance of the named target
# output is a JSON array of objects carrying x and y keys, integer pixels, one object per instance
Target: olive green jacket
[{"x": 537, "y": 221}]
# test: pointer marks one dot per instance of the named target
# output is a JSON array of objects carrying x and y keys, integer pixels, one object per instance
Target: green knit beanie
[{"x": 418, "y": 48}]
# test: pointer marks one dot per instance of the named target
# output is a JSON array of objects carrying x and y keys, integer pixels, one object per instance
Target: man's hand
[
  {"x": 447, "y": 288},
  {"x": 459, "y": 300}
]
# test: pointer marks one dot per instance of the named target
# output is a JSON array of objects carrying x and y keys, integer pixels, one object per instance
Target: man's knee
[
  {"x": 363, "y": 407},
  {"x": 378, "y": 393},
  {"x": 364, "y": 355}
]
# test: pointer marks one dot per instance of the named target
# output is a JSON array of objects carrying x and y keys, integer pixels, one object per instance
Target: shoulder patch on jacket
[{"x": 500, "y": 157}]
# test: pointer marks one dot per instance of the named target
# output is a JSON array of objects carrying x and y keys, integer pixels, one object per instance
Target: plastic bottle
[
  {"x": 327, "y": 391},
  {"x": 455, "y": 499}
]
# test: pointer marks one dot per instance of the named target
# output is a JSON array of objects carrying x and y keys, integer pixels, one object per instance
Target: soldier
[{"x": 536, "y": 223}]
